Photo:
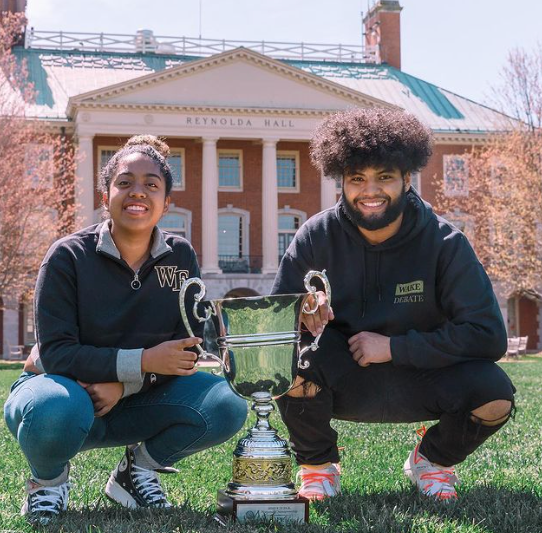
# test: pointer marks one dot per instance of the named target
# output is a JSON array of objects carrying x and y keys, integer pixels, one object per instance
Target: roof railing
[{"x": 146, "y": 42}]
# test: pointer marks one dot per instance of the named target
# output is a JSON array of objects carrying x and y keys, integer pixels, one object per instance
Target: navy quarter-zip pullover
[
  {"x": 95, "y": 315},
  {"x": 424, "y": 287}
]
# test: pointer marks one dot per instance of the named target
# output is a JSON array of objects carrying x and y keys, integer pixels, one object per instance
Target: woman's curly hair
[
  {"x": 148, "y": 145},
  {"x": 358, "y": 138}
]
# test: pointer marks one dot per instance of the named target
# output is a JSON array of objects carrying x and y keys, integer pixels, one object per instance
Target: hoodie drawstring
[
  {"x": 364, "y": 285},
  {"x": 378, "y": 286}
]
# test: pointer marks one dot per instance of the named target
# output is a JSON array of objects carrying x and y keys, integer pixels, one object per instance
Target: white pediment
[{"x": 237, "y": 79}]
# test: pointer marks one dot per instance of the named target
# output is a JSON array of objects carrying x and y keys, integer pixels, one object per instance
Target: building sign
[{"x": 240, "y": 122}]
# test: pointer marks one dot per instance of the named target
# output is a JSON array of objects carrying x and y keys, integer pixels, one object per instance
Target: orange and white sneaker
[
  {"x": 432, "y": 480},
  {"x": 320, "y": 482}
]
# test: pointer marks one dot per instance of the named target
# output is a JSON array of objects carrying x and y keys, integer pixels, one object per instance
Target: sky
[{"x": 459, "y": 45}]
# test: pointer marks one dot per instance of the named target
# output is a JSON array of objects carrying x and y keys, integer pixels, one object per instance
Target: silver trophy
[{"x": 256, "y": 341}]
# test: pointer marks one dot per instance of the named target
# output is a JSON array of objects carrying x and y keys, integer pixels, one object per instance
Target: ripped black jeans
[{"x": 385, "y": 393}]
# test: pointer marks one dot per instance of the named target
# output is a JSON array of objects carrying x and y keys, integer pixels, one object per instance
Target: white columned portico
[
  {"x": 270, "y": 207},
  {"x": 209, "y": 208},
  {"x": 328, "y": 192},
  {"x": 84, "y": 184}
]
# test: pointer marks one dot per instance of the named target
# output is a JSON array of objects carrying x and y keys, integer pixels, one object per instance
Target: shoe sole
[{"x": 118, "y": 495}]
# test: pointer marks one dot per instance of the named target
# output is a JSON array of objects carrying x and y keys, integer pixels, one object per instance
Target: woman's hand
[
  {"x": 315, "y": 323},
  {"x": 104, "y": 396},
  {"x": 171, "y": 358}
]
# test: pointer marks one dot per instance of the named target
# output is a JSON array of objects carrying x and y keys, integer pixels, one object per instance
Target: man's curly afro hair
[{"x": 358, "y": 138}]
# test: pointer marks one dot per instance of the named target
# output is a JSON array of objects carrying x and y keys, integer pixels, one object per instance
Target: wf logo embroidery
[
  {"x": 411, "y": 292},
  {"x": 171, "y": 276}
]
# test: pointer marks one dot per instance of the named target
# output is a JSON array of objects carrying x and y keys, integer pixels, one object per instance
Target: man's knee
[
  {"x": 484, "y": 385},
  {"x": 303, "y": 389},
  {"x": 493, "y": 413}
]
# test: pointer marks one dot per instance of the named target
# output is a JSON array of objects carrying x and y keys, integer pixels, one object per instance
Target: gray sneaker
[
  {"x": 132, "y": 486},
  {"x": 432, "y": 480}
]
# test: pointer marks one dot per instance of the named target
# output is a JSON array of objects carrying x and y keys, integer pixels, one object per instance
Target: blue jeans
[{"x": 52, "y": 418}]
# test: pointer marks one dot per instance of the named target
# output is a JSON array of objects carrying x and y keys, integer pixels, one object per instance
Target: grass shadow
[{"x": 488, "y": 509}]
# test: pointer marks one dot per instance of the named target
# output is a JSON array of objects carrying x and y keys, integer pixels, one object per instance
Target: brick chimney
[
  {"x": 14, "y": 6},
  {"x": 382, "y": 26}
]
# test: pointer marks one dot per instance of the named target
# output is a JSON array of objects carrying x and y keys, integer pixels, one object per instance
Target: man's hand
[
  {"x": 171, "y": 358},
  {"x": 367, "y": 348},
  {"x": 315, "y": 323},
  {"x": 104, "y": 396}
]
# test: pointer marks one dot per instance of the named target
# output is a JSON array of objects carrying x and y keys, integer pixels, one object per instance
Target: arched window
[
  {"x": 233, "y": 239},
  {"x": 177, "y": 220},
  {"x": 290, "y": 221}
]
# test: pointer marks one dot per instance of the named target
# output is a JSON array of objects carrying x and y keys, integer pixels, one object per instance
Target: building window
[
  {"x": 462, "y": 222},
  {"x": 39, "y": 165},
  {"x": 105, "y": 153},
  {"x": 416, "y": 181},
  {"x": 288, "y": 171},
  {"x": 230, "y": 170},
  {"x": 289, "y": 222},
  {"x": 29, "y": 335},
  {"x": 539, "y": 239},
  {"x": 177, "y": 220},
  {"x": 176, "y": 163},
  {"x": 498, "y": 178},
  {"x": 233, "y": 240},
  {"x": 456, "y": 175}
]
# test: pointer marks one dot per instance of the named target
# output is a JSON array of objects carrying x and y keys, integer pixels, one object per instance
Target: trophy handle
[
  {"x": 311, "y": 289},
  {"x": 209, "y": 312}
]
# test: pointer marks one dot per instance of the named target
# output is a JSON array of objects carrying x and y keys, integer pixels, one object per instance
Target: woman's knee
[
  {"x": 48, "y": 409},
  {"x": 228, "y": 414}
]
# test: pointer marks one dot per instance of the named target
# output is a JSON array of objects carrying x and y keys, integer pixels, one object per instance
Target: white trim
[
  {"x": 182, "y": 153},
  {"x": 97, "y": 216},
  {"x": 418, "y": 187},
  {"x": 239, "y": 153},
  {"x": 287, "y": 210},
  {"x": 245, "y": 217},
  {"x": 295, "y": 155}
]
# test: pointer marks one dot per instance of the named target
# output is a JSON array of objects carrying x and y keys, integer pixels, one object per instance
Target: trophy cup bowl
[{"x": 256, "y": 341}]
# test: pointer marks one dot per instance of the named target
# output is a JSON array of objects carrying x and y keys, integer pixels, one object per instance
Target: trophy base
[{"x": 295, "y": 509}]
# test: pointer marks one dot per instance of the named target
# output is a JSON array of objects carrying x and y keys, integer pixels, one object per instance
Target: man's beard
[{"x": 377, "y": 221}]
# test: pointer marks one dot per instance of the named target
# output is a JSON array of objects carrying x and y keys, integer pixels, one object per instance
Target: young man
[{"x": 415, "y": 327}]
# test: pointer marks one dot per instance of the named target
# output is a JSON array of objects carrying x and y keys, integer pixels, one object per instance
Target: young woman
[{"x": 113, "y": 365}]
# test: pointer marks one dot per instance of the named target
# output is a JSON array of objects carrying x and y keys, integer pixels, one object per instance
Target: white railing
[{"x": 146, "y": 42}]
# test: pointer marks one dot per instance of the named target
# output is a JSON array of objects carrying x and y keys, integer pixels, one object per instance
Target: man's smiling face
[{"x": 374, "y": 197}]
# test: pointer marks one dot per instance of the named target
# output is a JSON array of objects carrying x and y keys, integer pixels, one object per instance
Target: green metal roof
[
  {"x": 429, "y": 93},
  {"x": 58, "y": 75}
]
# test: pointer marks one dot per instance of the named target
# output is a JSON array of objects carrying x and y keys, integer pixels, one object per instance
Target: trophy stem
[{"x": 263, "y": 407}]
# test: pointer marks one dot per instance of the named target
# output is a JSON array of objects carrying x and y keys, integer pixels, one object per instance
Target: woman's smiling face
[{"x": 137, "y": 194}]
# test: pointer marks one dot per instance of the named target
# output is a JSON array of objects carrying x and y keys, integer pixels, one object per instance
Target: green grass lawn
[{"x": 501, "y": 488}]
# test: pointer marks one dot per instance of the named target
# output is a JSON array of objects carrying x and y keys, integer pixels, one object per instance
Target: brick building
[{"x": 239, "y": 120}]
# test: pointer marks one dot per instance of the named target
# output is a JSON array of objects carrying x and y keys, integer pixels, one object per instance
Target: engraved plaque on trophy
[{"x": 256, "y": 341}]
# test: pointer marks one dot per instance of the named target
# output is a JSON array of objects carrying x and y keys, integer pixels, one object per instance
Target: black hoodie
[
  {"x": 424, "y": 287},
  {"x": 95, "y": 315}
]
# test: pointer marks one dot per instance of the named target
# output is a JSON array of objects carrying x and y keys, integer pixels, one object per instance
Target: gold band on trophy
[{"x": 262, "y": 471}]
